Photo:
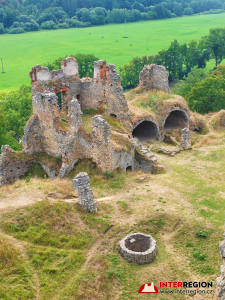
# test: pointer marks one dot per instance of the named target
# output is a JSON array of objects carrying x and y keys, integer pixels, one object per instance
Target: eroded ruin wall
[
  {"x": 13, "y": 165},
  {"x": 154, "y": 76}
]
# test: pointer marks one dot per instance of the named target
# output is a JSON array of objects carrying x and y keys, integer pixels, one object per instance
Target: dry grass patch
[
  {"x": 218, "y": 120},
  {"x": 198, "y": 123}
]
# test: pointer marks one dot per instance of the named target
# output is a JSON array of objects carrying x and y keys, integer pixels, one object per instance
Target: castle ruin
[{"x": 60, "y": 98}]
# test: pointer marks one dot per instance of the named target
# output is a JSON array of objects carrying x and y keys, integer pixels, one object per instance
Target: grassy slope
[
  {"x": 21, "y": 52},
  {"x": 73, "y": 258}
]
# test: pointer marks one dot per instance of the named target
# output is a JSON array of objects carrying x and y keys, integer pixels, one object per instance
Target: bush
[
  {"x": 188, "y": 11},
  {"x": 48, "y": 25},
  {"x": 107, "y": 175},
  {"x": 2, "y": 30},
  {"x": 63, "y": 25},
  {"x": 16, "y": 30},
  {"x": 201, "y": 233},
  {"x": 199, "y": 255}
]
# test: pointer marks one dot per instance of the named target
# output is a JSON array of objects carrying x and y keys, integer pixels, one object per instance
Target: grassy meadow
[{"x": 22, "y": 51}]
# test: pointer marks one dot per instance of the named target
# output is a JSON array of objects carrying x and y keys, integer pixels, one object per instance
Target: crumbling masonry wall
[
  {"x": 103, "y": 91},
  {"x": 154, "y": 76},
  {"x": 13, "y": 165}
]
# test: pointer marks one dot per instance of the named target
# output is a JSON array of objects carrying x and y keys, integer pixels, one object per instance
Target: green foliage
[
  {"x": 178, "y": 60},
  {"x": 199, "y": 255},
  {"x": 15, "y": 110},
  {"x": 207, "y": 95},
  {"x": 107, "y": 175},
  {"x": 189, "y": 244},
  {"x": 201, "y": 233},
  {"x": 215, "y": 42},
  {"x": 183, "y": 87}
]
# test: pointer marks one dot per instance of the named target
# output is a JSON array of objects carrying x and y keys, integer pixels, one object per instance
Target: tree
[
  {"x": 207, "y": 95},
  {"x": 215, "y": 42}
]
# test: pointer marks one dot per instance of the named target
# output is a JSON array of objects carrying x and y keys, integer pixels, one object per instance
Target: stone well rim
[{"x": 151, "y": 248}]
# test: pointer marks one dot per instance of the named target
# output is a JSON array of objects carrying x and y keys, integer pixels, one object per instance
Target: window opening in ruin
[
  {"x": 145, "y": 131},
  {"x": 176, "y": 119},
  {"x": 113, "y": 115},
  {"x": 129, "y": 169},
  {"x": 59, "y": 96}
]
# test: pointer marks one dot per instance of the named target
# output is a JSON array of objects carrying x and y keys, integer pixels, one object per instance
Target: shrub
[
  {"x": 48, "y": 25},
  {"x": 16, "y": 30},
  {"x": 201, "y": 233},
  {"x": 2, "y": 30},
  {"x": 107, "y": 175},
  {"x": 63, "y": 25},
  {"x": 199, "y": 255},
  {"x": 188, "y": 11}
]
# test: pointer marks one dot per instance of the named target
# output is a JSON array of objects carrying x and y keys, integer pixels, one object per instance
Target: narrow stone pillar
[
  {"x": 185, "y": 138},
  {"x": 220, "y": 288},
  {"x": 74, "y": 114},
  {"x": 84, "y": 192}
]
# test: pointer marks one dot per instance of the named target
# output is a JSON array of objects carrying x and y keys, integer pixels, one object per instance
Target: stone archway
[
  {"x": 176, "y": 119},
  {"x": 145, "y": 130}
]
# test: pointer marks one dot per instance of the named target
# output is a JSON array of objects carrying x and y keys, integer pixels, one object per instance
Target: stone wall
[
  {"x": 220, "y": 289},
  {"x": 84, "y": 192},
  {"x": 154, "y": 76},
  {"x": 13, "y": 165}
]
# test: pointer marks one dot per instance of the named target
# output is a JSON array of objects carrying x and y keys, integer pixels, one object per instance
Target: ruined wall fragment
[
  {"x": 32, "y": 139},
  {"x": 154, "y": 76},
  {"x": 185, "y": 138},
  {"x": 70, "y": 66},
  {"x": 102, "y": 152},
  {"x": 84, "y": 192},
  {"x": 74, "y": 115},
  {"x": 13, "y": 165}
]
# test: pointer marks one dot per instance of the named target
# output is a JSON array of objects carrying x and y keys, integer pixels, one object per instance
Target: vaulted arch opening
[
  {"x": 176, "y": 119},
  {"x": 145, "y": 131}
]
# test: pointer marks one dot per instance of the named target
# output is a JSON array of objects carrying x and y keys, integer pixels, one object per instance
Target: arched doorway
[
  {"x": 176, "y": 119},
  {"x": 145, "y": 131}
]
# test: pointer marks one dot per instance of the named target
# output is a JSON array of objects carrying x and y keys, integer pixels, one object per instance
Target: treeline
[
  {"x": 178, "y": 59},
  {"x": 17, "y": 16}
]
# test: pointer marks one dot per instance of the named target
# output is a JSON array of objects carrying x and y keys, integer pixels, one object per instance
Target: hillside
[{"x": 50, "y": 248}]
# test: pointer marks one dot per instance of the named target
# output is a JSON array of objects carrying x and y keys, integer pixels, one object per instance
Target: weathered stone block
[{"x": 85, "y": 195}]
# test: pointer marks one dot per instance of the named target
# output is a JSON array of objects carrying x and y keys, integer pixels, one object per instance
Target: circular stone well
[{"x": 138, "y": 248}]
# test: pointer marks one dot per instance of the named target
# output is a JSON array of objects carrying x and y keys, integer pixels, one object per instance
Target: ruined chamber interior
[
  {"x": 176, "y": 119},
  {"x": 145, "y": 131}
]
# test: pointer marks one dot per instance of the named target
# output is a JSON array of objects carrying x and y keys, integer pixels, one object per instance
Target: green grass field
[{"x": 20, "y": 52}]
